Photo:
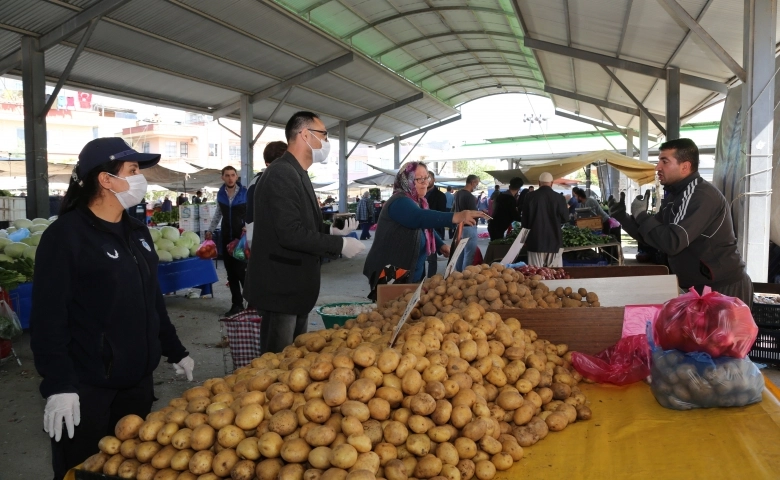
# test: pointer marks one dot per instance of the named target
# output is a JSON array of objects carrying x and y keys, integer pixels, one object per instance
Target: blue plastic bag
[
  {"x": 19, "y": 235},
  {"x": 241, "y": 251}
]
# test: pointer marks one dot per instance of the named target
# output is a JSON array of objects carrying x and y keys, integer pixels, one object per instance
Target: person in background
[
  {"x": 181, "y": 200},
  {"x": 574, "y": 203},
  {"x": 505, "y": 210},
  {"x": 98, "y": 324},
  {"x": 465, "y": 201},
  {"x": 271, "y": 152},
  {"x": 482, "y": 205},
  {"x": 167, "y": 206},
  {"x": 328, "y": 200},
  {"x": 197, "y": 199},
  {"x": 589, "y": 202},
  {"x": 544, "y": 213},
  {"x": 283, "y": 276},
  {"x": 365, "y": 215},
  {"x": 405, "y": 234},
  {"x": 231, "y": 214},
  {"x": 493, "y": 196},
  {"x": 437, "y": 202},
  {"x": 450, "y": 201}
]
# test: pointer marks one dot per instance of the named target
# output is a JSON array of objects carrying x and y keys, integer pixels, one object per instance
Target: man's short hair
[
  {"x": 298, "y": 122},
  {"x": 432, "y": 175},
  {"x": 471, "y": 178},
  {"x": 449, "y": 189},
  {"x": 229, "y": 167},
  {"x": 516, "y": 183},
  {"x": 273, "y": 151},
  {"x": 579, "y": 192},
  {"x": 685, "y": 150}
]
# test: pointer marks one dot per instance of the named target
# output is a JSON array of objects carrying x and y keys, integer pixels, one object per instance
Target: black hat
[{"x": 103, "y": 150}]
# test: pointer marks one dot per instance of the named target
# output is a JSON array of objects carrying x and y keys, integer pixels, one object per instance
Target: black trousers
[
  {"x": 101, "y": 408},
  {"x": 496, "y": 231},
  {"x": 280, "y": 329},
  {"x": 236, "y": 271}
]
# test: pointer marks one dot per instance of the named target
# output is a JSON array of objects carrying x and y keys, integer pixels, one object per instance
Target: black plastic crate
[
  {"x": 766, "y": 315},
  {"x": 767, "y": 346}
]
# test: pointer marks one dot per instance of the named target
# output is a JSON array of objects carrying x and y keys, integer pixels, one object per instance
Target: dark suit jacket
[
  {"x": 283, "y": 274},
  {"x": 544, "y": 212},
  {"x": 437, "y": 200}
]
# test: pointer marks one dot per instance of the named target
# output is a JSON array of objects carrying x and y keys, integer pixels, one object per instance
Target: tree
[{"x": 472, "y": 167}]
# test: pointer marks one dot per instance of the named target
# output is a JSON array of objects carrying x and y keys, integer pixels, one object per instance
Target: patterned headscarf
[{"x": 404, "y": 183}]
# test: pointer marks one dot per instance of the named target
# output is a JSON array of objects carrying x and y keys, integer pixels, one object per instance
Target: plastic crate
[
  {"x": 21, "y": 302},
  {"x": 767, "y": 346},
  {"x": 332, "y": 320},
  {"x": 188, "y": 273},
  {"x": 766, "y": 315},
  {"x": 13, "y": 208}
]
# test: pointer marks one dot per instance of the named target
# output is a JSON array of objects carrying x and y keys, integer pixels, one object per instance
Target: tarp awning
[{"x": 639, "y": 171}]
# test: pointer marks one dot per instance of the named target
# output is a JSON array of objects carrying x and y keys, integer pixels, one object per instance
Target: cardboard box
[{"x": 593, "y": 223}]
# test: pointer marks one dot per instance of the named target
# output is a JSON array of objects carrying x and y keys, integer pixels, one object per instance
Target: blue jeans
[
  {"x": 365, "y": 233},
  {"x": 467, "y": 257}
]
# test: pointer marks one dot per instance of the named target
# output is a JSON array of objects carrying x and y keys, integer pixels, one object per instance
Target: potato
[
  {"x": 320, "y": 436},
  {"x": 201, "y": 461},
  {"x": 509, "y": 400},
  {"x": 447, "y": 453},
  {"x": 418, "y": 444},
  {"x": 230, "y": 435},
  {"x": 128, "y": 468},
  {"x": 243, "y": 470},
  {"x": 128, "y": 426},
  {"x": 396, "y": 470},
  {"x": 427, "y": 467},
  {"x": 364, "y": 356},
  {"x": 557, "y": 421},
  {"x": 334, "y": 393},
  {"x": 356, "y": 409},
  {"x": 146, "y": 450},
  {"x": 296, "y": 450},
  {"x": 111, "y": 467},
  {"x": 109, "y": 445},
  {"x": 202, "y": 438},
  {"x": 366, "y": 461},
  {"x": 560, "y": 391},
  {"x": 194, "y": 420},
  {"x": 343, "y": 456},
  {"x": 249, "y": 417},
  {"x": 583, "y": 413},
  {"x": 283, "y": 422},
  {"x": 485, "y": 470},
  {"x": 247, "y": 449},
  {"x": 182, "y": 439},
  {"x": 569, "y": 411},
  {"x": 223, "y": 462},
  {"x": 461, "y": 415},
  {"x": 319, "y": 458},
  {"x": 475, "y": 430},
  {"x": 362, "y": 390},
  {"x": 411, "y": 382},
  {"x": 466, "y": 447},
  {"x": 268, "y": 469},
  {"x": 449, "y": 472},
  {"x": 395, "y": 433},
  {"x": 360, "y": 475},
  {"x": 162, "y": 459},
  {"x": 388, "y": 360},
  {"x": 127, "y": 449},
  {"x": 198, "y": 405},
  {"x": 96, "y": 462},
  {"x": 181, "y": 459},
  {"x": 316, "y": 410},
  {"x": 299, "y": 379},
  {"x": 165, "y": 435},
  {"x": 360, "y": 441},
  {"x": 422, "y": 404}
]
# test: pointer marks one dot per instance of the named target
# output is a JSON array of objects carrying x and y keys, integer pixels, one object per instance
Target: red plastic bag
[
  {"x": 627, "y": 361},
  {"x": 712, "y": 323},
  {"x": 207, "y": 250}
]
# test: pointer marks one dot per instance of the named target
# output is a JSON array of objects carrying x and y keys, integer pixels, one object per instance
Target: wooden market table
[{"x": 601, "y": 249}]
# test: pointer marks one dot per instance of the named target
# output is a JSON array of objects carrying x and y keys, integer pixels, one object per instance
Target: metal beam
[
  {"x": 365, "y": 132},
  {"x": 77, "y": 22},
  {"x": 635, "y": 67},
  {"x": 396, "y": 152},
  {"x": 612, "y": 122},
  {"x": 636, "y": 100},
  {"x": 10, "y": 61},
  {"x": 343, "y": 166},
  {"x": 477, "y": 64},
  {"x": 681, "y": 15},
  {"x": 596, "y": 101},
  {"x": 385, "y": 109},
  {"x": 629, "y": 143},
  {"x": 643, "y": 136},
  {"x": 595, "y": 123},
  {"x": 525, "y": 88},
  {"x": 485, "y": 77},
  {"x": 69, "y": 67},
  {"x": 466, "y": 51},
  {"x": 422, "y": 130},
  {"x": 290, "y": 82},
  {"x": 672, "y": 104},
  {"x": 413, "y": 147},
  {"x": 273, "y": 114},
  {"x": 247, "y": 127},
  {"x": 35, "y": 148},
  {"x": 445, "y": 34}
]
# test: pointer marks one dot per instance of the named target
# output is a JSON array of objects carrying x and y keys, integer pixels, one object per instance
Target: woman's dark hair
[{"x": 89, "y": 189}]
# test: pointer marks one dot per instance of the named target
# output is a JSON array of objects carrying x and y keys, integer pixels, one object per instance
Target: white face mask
[
  {"x": 133, "y": 195},
  {"x": 320, "y": 155}
]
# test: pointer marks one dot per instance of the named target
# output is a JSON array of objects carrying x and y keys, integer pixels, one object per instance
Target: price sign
[
  {"x": 412, "y": 303},
  {"x": 517, "y": 245},
  {"x": 455, "y": 256}
]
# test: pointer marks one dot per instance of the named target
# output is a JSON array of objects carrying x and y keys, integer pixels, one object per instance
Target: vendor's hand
[
  {"x": 617, "y": 207},
  {"x": 207, "y": 235},
  {"x": 185, "y": 367},
  {"x": 445, "y": 251},
  {"x": 351, "y": 247},
  {"x": 468, "y": 217},
  {"x": 61, "y": 407},
  {"x": 350, "y": 225},
  {"x": 640, "y": 204}
]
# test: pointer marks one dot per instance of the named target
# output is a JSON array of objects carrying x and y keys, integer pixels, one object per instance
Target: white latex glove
[
  {"x": 59, "y": 407},
  {"x": 351, "y": 247},
  {"x": 350, "y": 225},
  {"x": 250, "y": 230},
  {"x": 185, "y": 367}
]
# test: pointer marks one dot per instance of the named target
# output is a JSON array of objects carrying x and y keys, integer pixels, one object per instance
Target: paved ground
[{"x": 24, "y": 447}]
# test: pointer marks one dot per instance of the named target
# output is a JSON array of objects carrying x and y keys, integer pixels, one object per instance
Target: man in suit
[
  {"x": 544, "y": 212},
  {"x": 283, "y": 276},
  {"x": 437, "y": 201},
  {"x": 505, "y": 210}
]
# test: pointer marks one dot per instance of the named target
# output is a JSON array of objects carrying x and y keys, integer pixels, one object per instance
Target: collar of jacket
[
  {"x": 239, "y": 198},
  {"x": 90, "y": 217},
  {"x": 678, "y": 187}
]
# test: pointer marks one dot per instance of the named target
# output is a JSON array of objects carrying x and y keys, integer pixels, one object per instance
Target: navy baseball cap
[{"x": 103, "y": 150}]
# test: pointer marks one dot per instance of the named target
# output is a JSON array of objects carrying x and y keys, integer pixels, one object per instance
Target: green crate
[{"x": 332, "y": 320}]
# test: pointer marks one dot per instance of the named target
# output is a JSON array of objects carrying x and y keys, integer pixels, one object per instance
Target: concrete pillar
[
  {"x": 758, "y": 102},
  {"x": 35, "y": 151},
  {"x": 396, "y": 152},
  {"x": 629, "y": 142},
  {"x": 343, "y": 167},
  {"x": 672, "y": 103},
  {"x": 247, "y": 135},
  {"x": 643, "y": 140}
]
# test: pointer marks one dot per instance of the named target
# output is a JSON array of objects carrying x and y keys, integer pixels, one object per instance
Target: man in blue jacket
[{"x": 231, "y": 200}]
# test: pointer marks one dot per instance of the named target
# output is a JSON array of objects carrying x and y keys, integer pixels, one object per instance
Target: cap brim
[{"x": 145, "y": 160}]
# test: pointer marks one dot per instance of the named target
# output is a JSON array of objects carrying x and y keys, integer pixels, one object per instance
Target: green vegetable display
[
  {"x": 510, "y": 238},
  {"x": 582, "y": 237}
]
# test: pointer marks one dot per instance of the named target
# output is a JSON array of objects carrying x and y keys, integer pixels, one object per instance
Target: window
[
  {"x": 358, "y": 166},
  {"x": 147, "y": 147},
  {"x": 235, "y": 152},
  {"x": 170, "y": 149},
  {"x": 183, "y": 149},
  {"x": 213, "y": 150}
]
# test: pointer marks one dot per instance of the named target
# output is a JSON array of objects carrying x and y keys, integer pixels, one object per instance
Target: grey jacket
[
  {"x": 544, "y": 211},
  {"x": 694, "y": 229}
]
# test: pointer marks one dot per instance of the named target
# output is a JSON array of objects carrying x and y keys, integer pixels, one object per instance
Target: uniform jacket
[
  {"x": 98, "y": 316},
  {"x": 233, "y": 213},
  {"x": 290, "y": 238},
  {"x": 544, "y": 211},
  {"x": 694, "y": 229}
]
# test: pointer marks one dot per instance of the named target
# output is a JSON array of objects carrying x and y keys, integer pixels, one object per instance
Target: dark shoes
[{"x": 234, "y": 310}]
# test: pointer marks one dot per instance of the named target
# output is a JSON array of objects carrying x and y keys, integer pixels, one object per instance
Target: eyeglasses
[
  {"x": 324, "y": 132},
  {"x": 422, "y": 180}
]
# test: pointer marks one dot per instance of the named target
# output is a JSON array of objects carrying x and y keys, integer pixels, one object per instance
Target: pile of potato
[{"x": 458, "y": 396}]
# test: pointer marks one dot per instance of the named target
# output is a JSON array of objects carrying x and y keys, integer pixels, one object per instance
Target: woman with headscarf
[{"x": 404, "y": 235}]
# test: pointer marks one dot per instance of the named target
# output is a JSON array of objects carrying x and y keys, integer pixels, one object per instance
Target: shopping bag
[
  {"x": 207, "y": 250},
  {"x": 627, "y": 361},
  {"x": 243, "y": 332},
  {"x": 10, "y": 327},
  {"x": 231, "y": 247},
  {"x": 241, "y": 250},
  {"x": 711, "y": 323}
]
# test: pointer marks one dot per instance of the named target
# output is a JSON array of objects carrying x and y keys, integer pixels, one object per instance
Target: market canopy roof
[{"x": 386, "y": 177}]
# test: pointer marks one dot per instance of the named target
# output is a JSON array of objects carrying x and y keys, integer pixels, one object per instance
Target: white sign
[
  {"x": 455, "y": 256},
  {"x": 517, "y": 245},
  {"x": 412, "y": 303}
]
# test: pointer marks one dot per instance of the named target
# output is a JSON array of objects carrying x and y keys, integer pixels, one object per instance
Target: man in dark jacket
[
  {"x": 231, "y": 200},
  {"x": 271, "y": 152},
  {"x": 693, "y": 227},
  {"x": 543, "y": 214},
  {"x": 283, "y": 277},
  {"x": 437, "y": 200},
  {"x": 505, "y": 210}
]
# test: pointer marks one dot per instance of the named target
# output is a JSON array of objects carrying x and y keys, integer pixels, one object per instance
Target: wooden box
[{"x": 593, "y": 223}]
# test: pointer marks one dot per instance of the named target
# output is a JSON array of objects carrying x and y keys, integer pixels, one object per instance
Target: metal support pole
[
  {"x": 629, "y": 142},
  {"x": 672, "y": 103},
  {"x": 247, "y": 132},
  {"x": 34, "y": 94},
  {"x": 414, "y": 146},
  {"x": 396, "y": 152},
  {"x": 758, "y": 105},
  {"x": 365, "y": 132},
  {"x": 343, "y": 170},
  {"x": 273, "y": 114},
  {"x": 643, "y": 136},
  {"x": 587, "y": 178}
]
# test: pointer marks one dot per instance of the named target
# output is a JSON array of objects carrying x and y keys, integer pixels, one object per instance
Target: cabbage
[
  {"x": 180, "y": 252},
  {"x": 193, "y": 236},
  {"x": 165, "y": 244},
  {"x": 164, "y": 256},
  {"x": 52, "y": 218},
  {"x": 6, "y": 258},
  {"x": 185, "y": 242},
  {"x": 4, "y": 242},
  {"x": 27, "y": 241},
  {"x": 194, "y": 250},
  {"x": 155, "y": 233},
  {"x": 170, "y": 233},
  {"x": 23, "y": 223},
  {"x": 35, "y": 240},
  {"x": 38, "y": 228},
  {"x": 40, "y": 221},
  {"x": 10, "y": 230},
  {"x": 15, "y": 250},
  {"x": 156, "y": 248},
  {"x": 3, "y": 233},
  {"x": 29, "y": 252}
]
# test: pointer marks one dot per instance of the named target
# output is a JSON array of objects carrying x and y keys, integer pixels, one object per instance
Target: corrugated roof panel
[
  {"x": 662, "y": 33},
  {"x": 336, "y": 19},
  {"x": 597, "y": 24},
  {"x": 9, "y": 41},
  {"x": 33, "y": 15}
]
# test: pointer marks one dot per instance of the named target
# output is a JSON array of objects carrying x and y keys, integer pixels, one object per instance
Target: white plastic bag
[{"x": 10, "y": 327}]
